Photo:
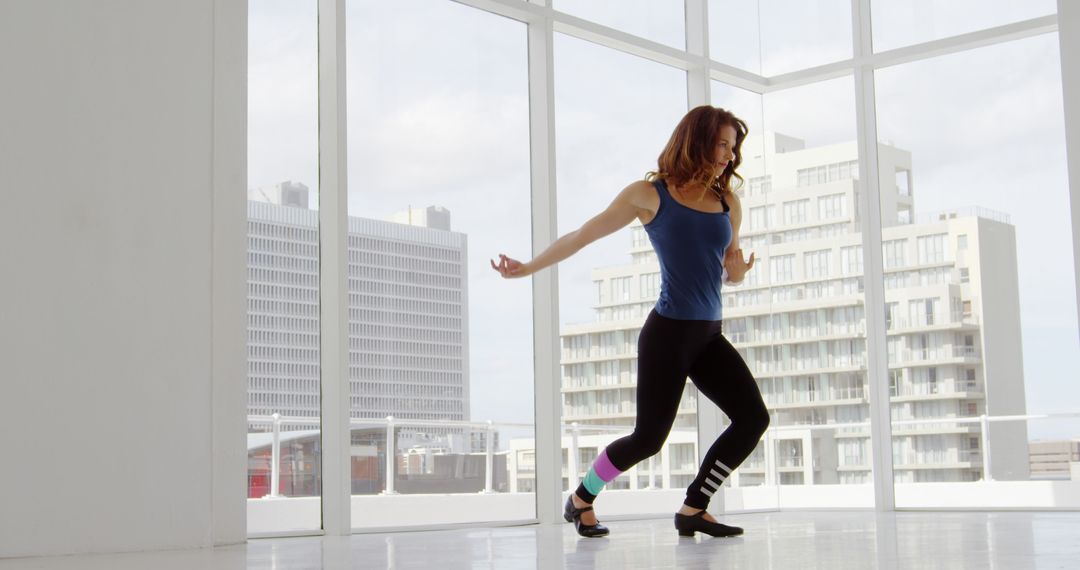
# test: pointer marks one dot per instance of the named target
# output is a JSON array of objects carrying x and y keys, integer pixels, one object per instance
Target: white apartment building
[
  {"x": 798, "y": 319},
  {"x": 408, "y": 326}
]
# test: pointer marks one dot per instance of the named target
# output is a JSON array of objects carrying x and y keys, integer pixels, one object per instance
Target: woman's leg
[
  {"x": 721, "y": 375},
  {"x": 662, "y": 367}
]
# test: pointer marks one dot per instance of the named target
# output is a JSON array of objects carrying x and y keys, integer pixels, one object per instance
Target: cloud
[
  {"x": 282, "y": 93},
  {"x": 661, "y": 21},
  {"x": 898, "y": 24},
  {"x": 438, "y": 114}
]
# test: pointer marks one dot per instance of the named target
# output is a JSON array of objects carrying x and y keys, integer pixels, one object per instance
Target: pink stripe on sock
[{"x": 604, "y": 468}]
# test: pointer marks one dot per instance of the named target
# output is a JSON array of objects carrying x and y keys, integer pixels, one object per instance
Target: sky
[{"x": 438, "y": 114}]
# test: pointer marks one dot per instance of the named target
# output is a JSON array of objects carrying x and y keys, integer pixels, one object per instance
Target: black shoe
[
  {"x": 688, "y": 524},
  {"x": 573, "y": 514}
]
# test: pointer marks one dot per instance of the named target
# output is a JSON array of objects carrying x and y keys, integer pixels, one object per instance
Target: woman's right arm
[{"x": 622, "y": 210}]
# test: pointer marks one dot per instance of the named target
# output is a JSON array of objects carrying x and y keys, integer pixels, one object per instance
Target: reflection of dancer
[{"x": 692, "y": 217}]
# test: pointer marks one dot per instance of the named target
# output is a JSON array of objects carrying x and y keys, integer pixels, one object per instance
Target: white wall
[
  {"x": 1069, "y": 38},
  {"x": 122, "y": 357}
]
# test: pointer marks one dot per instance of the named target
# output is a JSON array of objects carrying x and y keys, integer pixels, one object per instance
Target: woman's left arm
[{"x": 734, "y": 262}]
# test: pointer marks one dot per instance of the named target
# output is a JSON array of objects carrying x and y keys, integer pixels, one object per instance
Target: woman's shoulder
[
  {"x": 643, "y": 194},
  {"x": 733, "y": 200},
  {"x": 642, "y": 190},
  {"x": 643, "y": 186}
]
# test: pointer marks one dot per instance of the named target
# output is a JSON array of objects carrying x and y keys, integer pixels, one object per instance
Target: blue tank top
[{"x": 690, "y": 246}]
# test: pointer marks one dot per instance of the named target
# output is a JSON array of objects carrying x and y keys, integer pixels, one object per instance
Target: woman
[{"x": 692, "y": 217}]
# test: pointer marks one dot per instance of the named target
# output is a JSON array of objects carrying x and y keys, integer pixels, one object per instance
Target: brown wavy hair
[{"x": 688, "y": 156}]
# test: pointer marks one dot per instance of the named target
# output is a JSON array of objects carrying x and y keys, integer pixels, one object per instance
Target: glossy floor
[{"x": 820, "y": 539}]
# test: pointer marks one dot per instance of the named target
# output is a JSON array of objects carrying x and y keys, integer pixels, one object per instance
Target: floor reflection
[{"x": 835, "y": 540}]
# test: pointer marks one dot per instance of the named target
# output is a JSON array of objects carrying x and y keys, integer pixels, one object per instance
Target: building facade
[
  {"x": 1055, "y": 459},
  {"x": 798, "y": 319},
  {"x": 408, "y": 325}
]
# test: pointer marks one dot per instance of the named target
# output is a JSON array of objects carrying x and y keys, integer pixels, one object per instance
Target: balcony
[
  {"x": 897, "y": 325},
  {"x": 940, "y": 355},
  {"x": 819, "y": 332},
  {"x": 956, "y": 389}
]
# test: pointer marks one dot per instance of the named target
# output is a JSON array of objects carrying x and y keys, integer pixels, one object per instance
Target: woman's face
[{"x": 725, "y": 148}]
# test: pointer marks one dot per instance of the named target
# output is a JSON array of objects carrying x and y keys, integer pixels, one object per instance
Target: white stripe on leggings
[{"x": 724, "y": 467}]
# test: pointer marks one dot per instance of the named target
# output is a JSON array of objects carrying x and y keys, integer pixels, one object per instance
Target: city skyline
[{"x": 957, "y": 160}]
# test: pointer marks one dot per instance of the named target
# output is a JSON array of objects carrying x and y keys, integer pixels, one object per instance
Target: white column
[
  {"x": 275, "y": 458},
  {"x": 512, "y": 468},
  {"x": 808, "y": 457},
  {"x": 984, "y": 435},
  {"x": 391, "y": 457},
  {"x": 1069, "y": 38},
  {"x": 489, "y": 458},
  {"x": 770, "y": 459},
  {"x": 333, "y": 234},
  {"x": 877, "y": 367},
  {"x": 572, "y": 467},
  {"x": 548, "y": 400},
  {"x": 698, "y": 89},
  {"x": 230, "y": 273}
]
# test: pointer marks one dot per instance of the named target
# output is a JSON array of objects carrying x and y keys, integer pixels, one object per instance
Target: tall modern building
[
  {"x": 408, "y": 328},
  {"x": 952, "y": 306}
]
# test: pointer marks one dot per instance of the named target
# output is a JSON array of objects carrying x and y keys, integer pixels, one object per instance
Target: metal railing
[
  {"x": 770, "y": 459},
  {"x": 391, "y": 426}
]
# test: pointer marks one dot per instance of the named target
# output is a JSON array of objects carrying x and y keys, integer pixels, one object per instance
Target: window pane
[
  {"x": 801, "y": 326},
  {"x": 662, "y": 21},
  {"x": 992, "y": 321},
  {"x": 283, "y": 268},
  {"x": 734, "y": 34},
  {"x": 771, "y": 37},
  {"x": 439, "y": 183},
  {"x": 899, "y": 23},
  {"x": 604, "y": 144}
]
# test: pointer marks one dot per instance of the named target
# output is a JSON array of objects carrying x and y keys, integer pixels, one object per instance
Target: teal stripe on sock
[{"x": 593, "y": 483}]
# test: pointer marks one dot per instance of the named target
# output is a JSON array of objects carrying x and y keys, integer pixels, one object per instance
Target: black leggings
[{"x": 669, "y": 351}]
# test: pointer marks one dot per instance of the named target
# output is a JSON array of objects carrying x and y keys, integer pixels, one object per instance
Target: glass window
[
  {"x": 770, "y": 38},
  {"x": 931, "y": 248},
  {"x": 795, "y": 211},
  {"x": 782, "y": 268},
  {"x": 899, "y": 23},
  {"x": 894, "y": 253},
  {"x": 599, "y": 152},
  {"x": 817, "y": 264},
  {"x": 621, "y": 286},
  {"x": 938, "y": 113},
  {"x": 661, "y": 21},
  {"x": 438, "y": 111},
  {"x": 851, "y": 260},
  {"x": 831, "y": 207},
  {"x": 650, "y": 286},
  {"x": 283, "y": 274}
]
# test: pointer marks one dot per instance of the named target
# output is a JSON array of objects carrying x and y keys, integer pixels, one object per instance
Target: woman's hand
[
  {"x": 509, "y": 268},
  {"x": 736, "y": 265}
]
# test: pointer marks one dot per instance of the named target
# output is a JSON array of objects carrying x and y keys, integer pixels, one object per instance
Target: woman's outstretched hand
[
  {"x": 509, "y": 268},
  {"x": 736, "y": 264}
]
